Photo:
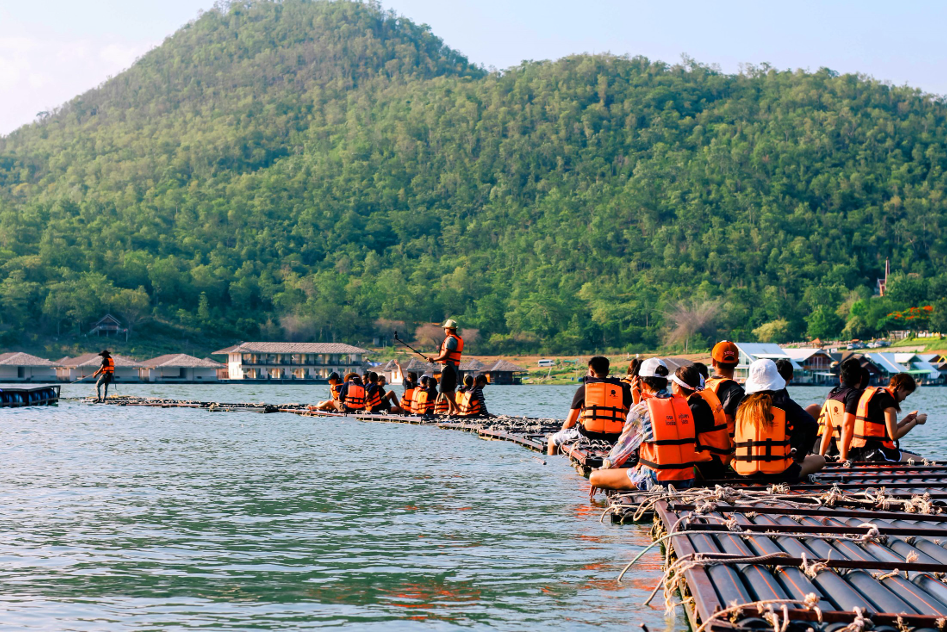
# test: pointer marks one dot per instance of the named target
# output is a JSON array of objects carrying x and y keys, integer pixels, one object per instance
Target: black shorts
[
  {"x": 791, "y": 476},
  {"x": 448, "y": 379},
  {"x": 874, "y": 451}
]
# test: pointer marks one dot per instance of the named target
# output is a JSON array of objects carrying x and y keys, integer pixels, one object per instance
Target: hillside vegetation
[{"x": 303, "y": 169}]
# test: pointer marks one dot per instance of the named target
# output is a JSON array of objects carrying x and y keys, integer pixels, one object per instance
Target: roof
[
  {"x": 17, "y": 358},
  {"x": 766, "y": 351},
  {"x": 932, "y": 371},
  {"x": 108, "y": 318},
  {"x": 673, "y": 364},
  {"x": 886, "y": 362},
  {"x": 421, "y": 367},
  {"x": 94, "y": 359},
  {"x": 181, "y": 360},
  {"x": 804, "y": 354},
  {"x": 290, "y": 347},
  {"x": 507, "y": 367},
  {"x": 472, "y": 365}
]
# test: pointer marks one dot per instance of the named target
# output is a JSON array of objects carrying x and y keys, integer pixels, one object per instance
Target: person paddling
[
  {"x": 450, "y": 353},
  {"x": 106, "y": 374}
]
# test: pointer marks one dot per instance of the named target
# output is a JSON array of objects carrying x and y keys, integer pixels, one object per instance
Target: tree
[
  {"x": 690, "y": 318},
  {"x": 773, "y": 331},
  {"x": 823, "y": 323}
]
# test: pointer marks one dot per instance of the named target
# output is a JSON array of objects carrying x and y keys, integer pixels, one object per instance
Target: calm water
[{"x": 136, "y": 518}]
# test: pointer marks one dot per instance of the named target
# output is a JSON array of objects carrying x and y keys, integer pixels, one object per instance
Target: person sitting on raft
[
  {"x": 724, "y": 359},
  {"x": 876, "y": 425},
  {"x": 598, "y": 409},
  {"x": 715, "y": 449},
  {"x": 335, "y": 381},
  {"x": 473, "y": 403},
  {"x": 373, "y": 395},
  {"x": 389, "y": 401},
  {"x": 352, "y": 395},
  {"x": 409, "y": 381},
  {"x": 661, "y": 431},
  {"x": 424, "y": 397},
  {"x": 837, "y": 415},
  {"x": 773, "y": 434}
]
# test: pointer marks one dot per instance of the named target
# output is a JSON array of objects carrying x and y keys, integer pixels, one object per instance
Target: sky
[{"x": 53, "y": 50}]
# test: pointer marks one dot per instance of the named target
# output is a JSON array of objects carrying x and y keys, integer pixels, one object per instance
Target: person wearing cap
[
  {"x": 598, "y": 408},
  {"x": 660, "y": 430},
  {"x": 106, "y": 374},
  {"x": 450, "y": 353},
  {"x": 331, "y": 404},
  {"x": 724, "y": 359},
  {"x": 715, "y": 448},
  {"x": 773, "y": 434}
]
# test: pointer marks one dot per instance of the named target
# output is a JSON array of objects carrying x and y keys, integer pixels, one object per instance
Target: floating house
[
  {"x": 750, "y": 352},
  {"x": 179, "y": 368},
  {"x": 816, "y": 366},
  {"x": 877, "y": 373},
  {"x": 472, "y": 367},
  {"x": 23, "y": 367},
  {"x": 290, "y": 361},
  {"x": 81, "y": 367},
  {"x": 423, "y": 368},
  {"x": 505, "y": 372}
]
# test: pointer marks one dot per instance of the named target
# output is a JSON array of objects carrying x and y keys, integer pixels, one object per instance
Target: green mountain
[{"x": 317, "y": 169}]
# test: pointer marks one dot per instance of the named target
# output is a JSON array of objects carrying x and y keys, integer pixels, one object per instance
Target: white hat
[
  {"x": 649, "y": 366},
  {"x": 764, "y": 376}
]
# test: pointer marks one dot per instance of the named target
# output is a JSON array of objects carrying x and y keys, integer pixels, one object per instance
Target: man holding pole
[
  {"x": 450, "y": 353},
  {"x": 106, "y": 373}
]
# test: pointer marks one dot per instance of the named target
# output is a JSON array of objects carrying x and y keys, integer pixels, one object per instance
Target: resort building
[
  {"x": 505, "y": 372},
  {"x": 750, "y": 352},
  {"x": 816, "y": 366},
  {"x": 179, "y": 368},
  {"x": 290, "y": 360},
  {"x": 23, "y": 367},
  {"x": 81, "y": 367}
]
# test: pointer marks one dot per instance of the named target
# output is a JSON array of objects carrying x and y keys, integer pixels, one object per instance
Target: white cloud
[{"x": 39, "y": 74}]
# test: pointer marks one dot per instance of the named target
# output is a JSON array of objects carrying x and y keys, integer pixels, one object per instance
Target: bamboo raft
[{"x": 858, "y": 547}]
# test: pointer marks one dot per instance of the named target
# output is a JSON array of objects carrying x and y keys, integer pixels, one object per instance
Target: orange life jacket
[
  {"x": 108, "y": 365},
  {"x": 717, "y": 440},
  {"x": 354, "y": 396},
  {"x": 421, "y": 404},
  {"x": 441, "y": 406},
  {"x": 714, "y": 385},
  {"x": 469, "y": 405},
  {"x": 870, "y": 429},
  {"x": 407, "y": 398},
  {"x": 453, "y": 357},
  {"x": 604, "y": 409},
  {"x": 334, "y": 390},
  {"x": 373, "y": 399},
  {"x": 832, "y": 413},
  {"x": 762, "y": 450},
  {"x": 672, "y": 454}
]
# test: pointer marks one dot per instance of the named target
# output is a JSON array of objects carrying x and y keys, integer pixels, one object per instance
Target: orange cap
[{"x": 725, "y": 351}]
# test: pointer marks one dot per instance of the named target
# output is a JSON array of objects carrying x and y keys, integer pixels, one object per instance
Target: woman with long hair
[{"x": 876, "y": 423}]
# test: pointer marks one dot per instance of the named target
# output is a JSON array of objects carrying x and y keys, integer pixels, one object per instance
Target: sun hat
[
  {"x": 104, "y": 353},
  {"x": 764, "y": 376},
  {"x": 725, "y": 351},
  {"x": 450, "y": 323},
  {"x": 649, "y": 366}
]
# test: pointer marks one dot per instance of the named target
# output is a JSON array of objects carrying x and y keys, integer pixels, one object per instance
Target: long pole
[{"x": 410, "y": 347}]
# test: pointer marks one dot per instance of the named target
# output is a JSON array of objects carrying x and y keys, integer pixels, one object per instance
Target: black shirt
[
  {"x": 879, "y": 403},
  {"x": 408, "y": 385},
  {"x": 803, "y": 429},
  {"x": 578, "y": 400},
  {"x": 847, "y": 395},
  {"x": 703, "y": 415},
  {"x": 730, "y": 395}
]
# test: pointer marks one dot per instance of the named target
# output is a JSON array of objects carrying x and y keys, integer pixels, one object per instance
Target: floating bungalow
[
  {"x": 23, "y": 367},
  {"x": 750, "y": 352},
  {"x": 179, "y": 368},
  {"x": 505, "y": 372},
  {"x": 83, "y": 366},
  {"x": 816, "y": 366},
  {"x": 290, "y": 361}
]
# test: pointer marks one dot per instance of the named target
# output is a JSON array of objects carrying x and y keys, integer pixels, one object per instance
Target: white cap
[
  {"x": 649, "y": 366},
  {"x": 764, "y": 376}
]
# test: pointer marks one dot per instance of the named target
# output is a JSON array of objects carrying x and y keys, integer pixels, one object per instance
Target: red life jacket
[
  {"x": 870, "y": 429},
  {"x": 453, "y": 357},
  {"x": 672, "y": 454}
]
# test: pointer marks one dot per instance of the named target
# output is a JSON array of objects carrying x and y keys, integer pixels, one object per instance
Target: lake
[{"x": 126, "y": 518}]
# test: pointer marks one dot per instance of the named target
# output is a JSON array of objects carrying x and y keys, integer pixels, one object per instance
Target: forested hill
[{"x": 306, "y": 169}]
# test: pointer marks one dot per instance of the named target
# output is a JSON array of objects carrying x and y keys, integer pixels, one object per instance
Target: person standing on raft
[
  {"x": 661, "y": 431},
  {"x": 451, "y": 350},
  {"x": 598, "y": 408},
  {"x": 106, "y": 374}
]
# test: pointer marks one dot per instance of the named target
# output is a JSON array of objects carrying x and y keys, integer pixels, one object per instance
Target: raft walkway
[{"x": 861, "y": 546}]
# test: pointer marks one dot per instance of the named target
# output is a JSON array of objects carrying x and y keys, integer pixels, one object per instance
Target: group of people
[
  {"x": 422, "y": 395},
  {"x": 675, "y": 428}
]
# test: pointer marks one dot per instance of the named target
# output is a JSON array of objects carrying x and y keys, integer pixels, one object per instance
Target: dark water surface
[{"x": 139, "y": 518}]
